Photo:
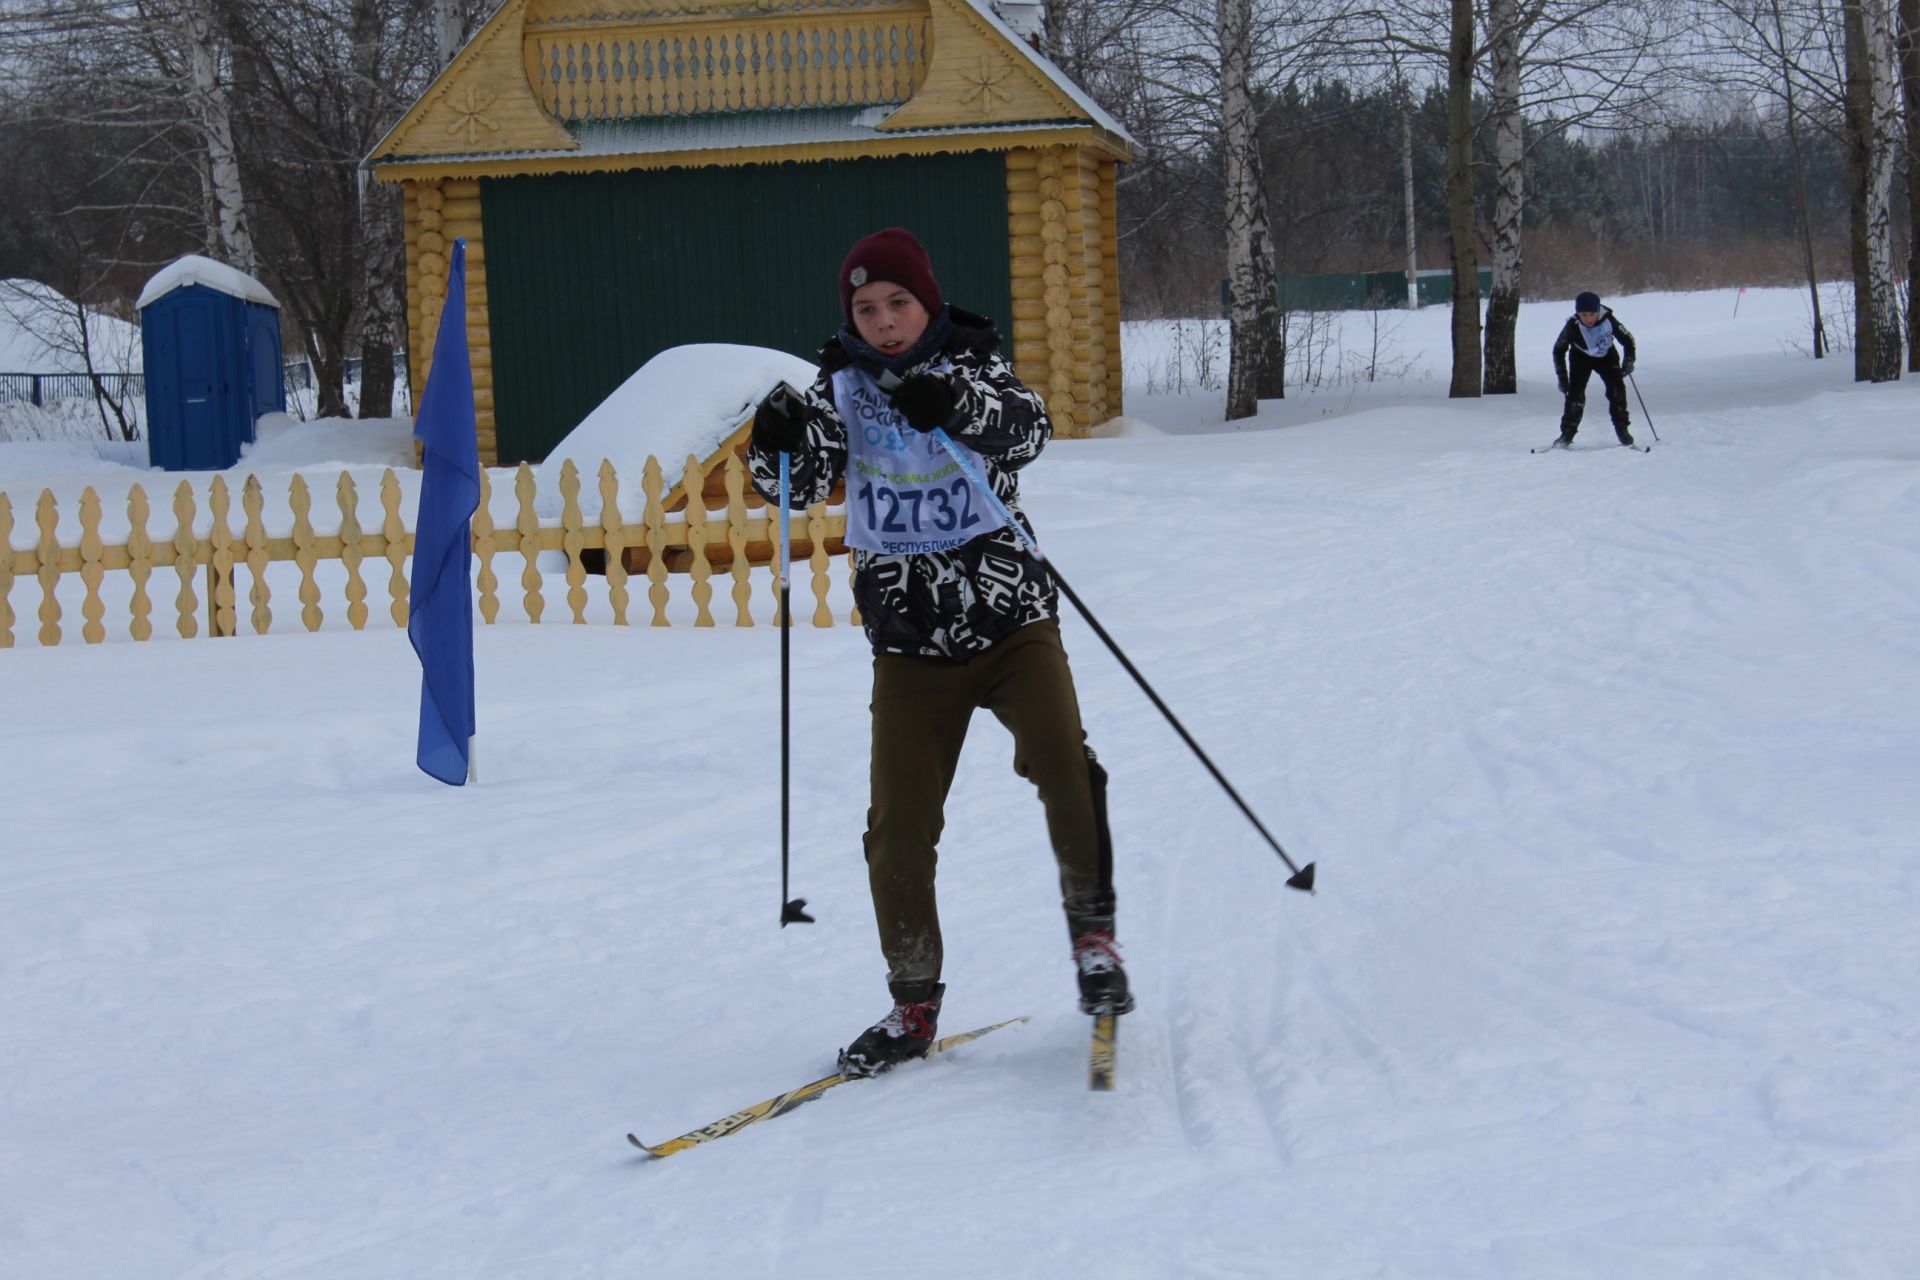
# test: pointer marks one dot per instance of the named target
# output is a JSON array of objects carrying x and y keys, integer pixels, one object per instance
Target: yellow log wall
[{"x": 438, "y": 211}]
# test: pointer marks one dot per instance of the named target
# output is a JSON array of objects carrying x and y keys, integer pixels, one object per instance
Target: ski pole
[
  {"x": 1302, "y": 877},
  {"x": 1643, "y": 407},
  {"x": 792, "y": 910}
]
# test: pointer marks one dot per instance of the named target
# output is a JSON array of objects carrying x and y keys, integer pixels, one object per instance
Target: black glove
[
  {"x": 778, "y": 426},
  {"x": 1563, "y": 384},
  {"x": 926, "y": 400},
  {"x": 1626, "y": 369}
]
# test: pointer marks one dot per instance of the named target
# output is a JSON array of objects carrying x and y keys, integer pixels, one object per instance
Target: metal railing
[
  {"x": 43, "y": 388},
  {"x": 48, "y": 388}
]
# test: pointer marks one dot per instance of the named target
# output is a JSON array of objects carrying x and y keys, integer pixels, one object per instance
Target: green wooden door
[{"x": 590, "y": 275}]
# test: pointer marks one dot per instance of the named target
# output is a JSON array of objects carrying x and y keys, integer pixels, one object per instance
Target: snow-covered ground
[{"x": 1607, "y": 761}]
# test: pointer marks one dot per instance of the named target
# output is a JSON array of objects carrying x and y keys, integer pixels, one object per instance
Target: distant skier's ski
[
  {"x": 1637, "y": 448},
  {"x": 1103, "y": 1057},
  {"x": 780, "y": 1104}
]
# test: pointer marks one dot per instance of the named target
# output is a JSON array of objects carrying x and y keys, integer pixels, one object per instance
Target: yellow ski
[
  {"x": 780, "y": 1104},
  {"x": 1104, "y": 1055}
]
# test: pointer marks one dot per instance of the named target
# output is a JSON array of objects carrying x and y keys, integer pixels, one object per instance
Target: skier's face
[
  {"x": 888, "y": 318},
  {"x": 1589, "y": 318}
]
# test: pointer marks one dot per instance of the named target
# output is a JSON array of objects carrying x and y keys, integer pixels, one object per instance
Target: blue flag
[{"x": 440, "y": 603}]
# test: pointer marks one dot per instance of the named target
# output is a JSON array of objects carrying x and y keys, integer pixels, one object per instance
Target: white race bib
[
  {"x": 1599, "y": 339},
  {"x": 905, "y": 495}
]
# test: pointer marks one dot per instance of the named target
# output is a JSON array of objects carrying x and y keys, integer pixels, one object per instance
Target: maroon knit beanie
[{"x": 895, "y": 256}]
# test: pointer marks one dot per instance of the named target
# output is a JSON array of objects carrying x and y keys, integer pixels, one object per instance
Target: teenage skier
[
  {"x": 959, "y": 614},
  {"x": 1586, "y": 345}
]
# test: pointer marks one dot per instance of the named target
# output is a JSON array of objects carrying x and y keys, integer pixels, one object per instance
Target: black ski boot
[
  {"x": 1564, "y": 442},
  {"x": 903, "y": 1035},
  {"x": 1624, "y": 436},
  {"x": 1103, "y": 982}
]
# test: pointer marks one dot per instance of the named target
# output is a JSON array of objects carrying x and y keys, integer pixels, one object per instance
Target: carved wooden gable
[{"x": 541, "y": 69}]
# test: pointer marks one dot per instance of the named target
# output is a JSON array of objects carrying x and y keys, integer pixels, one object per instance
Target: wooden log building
[{"x": 632, "y": 175}]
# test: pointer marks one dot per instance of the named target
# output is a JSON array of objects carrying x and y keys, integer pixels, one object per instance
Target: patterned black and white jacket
[{"x": 951, "y": 604}]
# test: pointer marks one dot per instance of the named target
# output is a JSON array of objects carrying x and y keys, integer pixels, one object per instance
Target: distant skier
[
  {"x": 959, "y": 614},
  {"x": 1588, "y": 340}
]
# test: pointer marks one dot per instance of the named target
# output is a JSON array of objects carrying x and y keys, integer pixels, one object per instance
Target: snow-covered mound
[
  {"x": 40, "y": 333},
  {"x": 686, "y": 400}
]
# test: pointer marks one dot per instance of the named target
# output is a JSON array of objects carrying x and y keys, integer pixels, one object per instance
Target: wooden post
[
  {"x": 737, "y": 539},
  {"x": 691, "y": 483},
  {"x": 483, "y": 534},
  {"x": 394, "y": 530},
  {"x": 529, "y": 527},
  {"x": 221, "y": 620},
  {"x": 93, "y": 609},
  {"x": 819, "y": 563},
  {"x": 615, "y": 537},
  {"x": 139, "y": 563},
  {"x": 185, "y": 603},
  {"x": 300, "y": 498},
  {"x": 348, "y": 496},
  {"x": 573, "y": 538},
  {"x": 656, "y": 521},
  {"x": 253, "y": 501},
  {"x": 47, "y": 554}
]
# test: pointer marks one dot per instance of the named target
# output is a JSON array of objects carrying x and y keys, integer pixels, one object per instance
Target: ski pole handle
[{"x": 786, "y": 528}]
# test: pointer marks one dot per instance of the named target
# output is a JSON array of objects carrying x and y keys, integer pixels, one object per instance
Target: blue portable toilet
[{"x": 210, "y": 345}]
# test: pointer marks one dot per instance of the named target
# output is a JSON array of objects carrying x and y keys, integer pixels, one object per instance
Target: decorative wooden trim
[
  {"x": 975, "y": 75},
  {"x": 590, "y": 68},
  {"x": 482, "y": 98},
  {"x": 944, "y": 143}
]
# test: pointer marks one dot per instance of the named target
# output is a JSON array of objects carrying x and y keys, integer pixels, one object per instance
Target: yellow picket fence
[{"x": 694, "y": 542}]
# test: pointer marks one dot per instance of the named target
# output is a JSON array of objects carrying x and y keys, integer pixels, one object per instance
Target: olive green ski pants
[{"x": 921, "y": 709}]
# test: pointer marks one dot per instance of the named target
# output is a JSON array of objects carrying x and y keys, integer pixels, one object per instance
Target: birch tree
[
  {"x": 1874, "y": 136},
  {"x": 210, "y": 100},
  {"x": 148, "y": 71},
  {"x": 1257, "y": 364},
  {"x": 1910, "y": 79},
  {"x": 1462, "y": 226}
]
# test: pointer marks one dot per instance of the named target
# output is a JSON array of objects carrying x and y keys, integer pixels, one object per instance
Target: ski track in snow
[{"x": 1606, "y": 760}]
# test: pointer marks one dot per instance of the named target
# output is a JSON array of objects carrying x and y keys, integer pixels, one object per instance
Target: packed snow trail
[{"x": 1607, "y": 768}]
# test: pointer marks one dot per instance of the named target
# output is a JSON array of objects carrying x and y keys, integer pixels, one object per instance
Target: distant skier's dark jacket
[
  {"x": 1571, "y": 337},
  {"x": 950, "y": 604}
]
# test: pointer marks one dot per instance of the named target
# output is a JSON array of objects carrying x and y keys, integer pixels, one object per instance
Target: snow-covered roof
[
  {"x": 738, "y": 131},
  {"x": 218, "y": 276}
]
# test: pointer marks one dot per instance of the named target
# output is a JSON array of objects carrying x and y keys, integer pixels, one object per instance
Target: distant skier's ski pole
[
  {"x": 792, "y": 910},
  {"x": 1302, "y": 877},
  {"x": 1643, "y": 407}
]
